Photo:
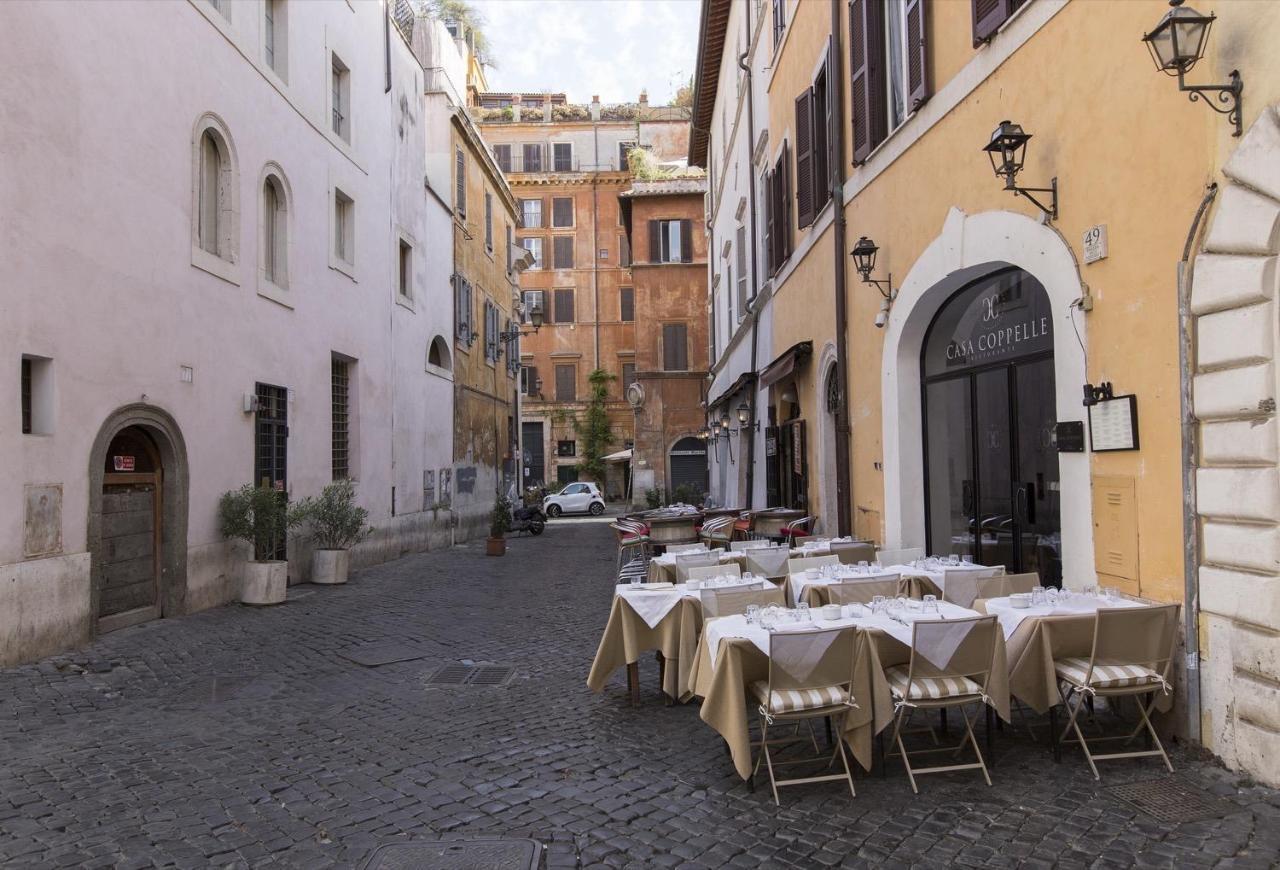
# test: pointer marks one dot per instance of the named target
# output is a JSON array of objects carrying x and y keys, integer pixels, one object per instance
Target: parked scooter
[{"x": 528, "y": 519}]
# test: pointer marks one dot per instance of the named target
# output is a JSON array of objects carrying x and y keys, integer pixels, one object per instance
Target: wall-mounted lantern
[
  {"x": 1177, "y": 44},
  {"x": 745, "y": 423},
  {"x": 864, "y": 261},
  {"x": 1007, "y": 150}
]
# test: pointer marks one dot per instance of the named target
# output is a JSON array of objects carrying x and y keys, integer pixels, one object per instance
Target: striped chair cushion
[
  {"x": 634, "y": 539},
  {"x": 928, "y": 688},
  {"x": 1074, "y": 671},
  {"x": 796, "y": 700}
]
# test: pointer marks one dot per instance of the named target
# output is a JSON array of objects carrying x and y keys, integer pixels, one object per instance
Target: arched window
[
  {"x": 438, "y": 354},
  {"x": 275, "y": 229},
  {"x": 210, "y": 195},
  {"x": 215, "y": 212}
]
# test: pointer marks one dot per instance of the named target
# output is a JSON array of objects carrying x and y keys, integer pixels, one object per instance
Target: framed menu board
[{"x": 1113, "y": 424}]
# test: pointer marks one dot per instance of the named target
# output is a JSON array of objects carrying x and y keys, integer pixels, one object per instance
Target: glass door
[
  {"x": 1036, "y": 492},
  {"x": 994, "y": 520}
]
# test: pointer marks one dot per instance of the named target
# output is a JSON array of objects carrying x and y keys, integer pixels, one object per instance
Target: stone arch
[
  {"x": 172, "y": 448},
  {"x": 969, "y": 247},
  {"x": 1237, "y": 481},
  {"x": 438, "y": 358},
  {"x": 227, "y": 255},
  {"x": 273, "y": 176}
]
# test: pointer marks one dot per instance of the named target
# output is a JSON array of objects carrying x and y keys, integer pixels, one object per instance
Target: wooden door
[{"x": 129, "y": 557}]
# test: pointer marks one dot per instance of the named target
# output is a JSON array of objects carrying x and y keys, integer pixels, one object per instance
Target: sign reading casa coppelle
[{"x": 991, "y": 327}]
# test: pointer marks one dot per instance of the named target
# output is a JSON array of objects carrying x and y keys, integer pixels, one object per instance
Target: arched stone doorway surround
[
  {"x": 1233, "y": 290},
  {"x": 163, "y": 429},
  {"x": 969, "y": 247}
]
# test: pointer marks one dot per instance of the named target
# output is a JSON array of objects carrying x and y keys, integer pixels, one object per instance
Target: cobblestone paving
[{"x": 240, "y": 737}]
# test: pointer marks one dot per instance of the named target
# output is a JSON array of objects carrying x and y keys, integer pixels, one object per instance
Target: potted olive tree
[
  {"x": 336, "y": 524},
  {"x": 499, "y": 525},
  {"x": 261, "y": 517}
]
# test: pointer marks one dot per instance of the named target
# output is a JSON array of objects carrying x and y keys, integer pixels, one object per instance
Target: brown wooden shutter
[
  {"x": 655, "y": 241},
  {"x": 868, "y": 98},
  {"x": 768, "y": 221},
  {"x": 804, "y": 157},
  {"x": 562, "y": 252},
  {"x": 917, "y": 55},
  {"x": 460, "y": 183},
  {"x": 566, "y": 383},
  {"x": 785, "y": 198},
  {"x": 675, "y": 351},
  {"x": 824, "y": 120},
  {"x": 532, "y": 386},
  {"x": 988, "y": 15},
  {"x": 564, "y": 305},
  {"x": 686, "y": 241},
  {"x": 626, "y": 304}
]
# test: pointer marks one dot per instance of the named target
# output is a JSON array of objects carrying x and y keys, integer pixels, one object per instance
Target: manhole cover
[
  {"x": 1172, "y": 800},
  {"x": 466, "y": 674},
  {"x": 373, "y": 654},
  {"x": 453, "y": 855}
]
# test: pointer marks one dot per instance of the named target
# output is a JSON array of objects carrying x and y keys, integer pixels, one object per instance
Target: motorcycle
[{"x": 528, "y": 519}]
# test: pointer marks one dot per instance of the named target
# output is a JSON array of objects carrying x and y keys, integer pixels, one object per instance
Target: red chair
[{"x": 801, "y": 528}]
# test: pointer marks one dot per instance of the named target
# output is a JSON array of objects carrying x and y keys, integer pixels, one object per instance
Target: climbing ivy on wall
[{"x": 593, "y": 429}]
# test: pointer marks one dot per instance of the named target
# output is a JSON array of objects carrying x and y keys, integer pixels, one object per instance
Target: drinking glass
[
  {"x": 931, "y": 604},
  {"x": 876, "y": 566},
  {"x": 1037, "y": 596},
  {"x": 953, "y": 559},
  {"x": 967, "y": 558},
  {"x": 768, "y": 619},
  {"x": 1110, "y": 593},
  {"x": 899, "y": 604},
  {"x": 753, "y": 613},
  {"x": 802, "y": 612},
  {"x": 636, "y": 581},
  {"x": 877, "y": 603},
  {"x": 862, "y": 563}
]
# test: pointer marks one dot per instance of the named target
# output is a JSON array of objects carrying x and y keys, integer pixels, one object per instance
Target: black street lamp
[
  {"x": 509, "y": 336},
  {"x": 745, "y": 423},
  {"x": 1177, "y": 44},
  {"x": 864, "y": 261},
  {"x": 1008, "y": 150}
]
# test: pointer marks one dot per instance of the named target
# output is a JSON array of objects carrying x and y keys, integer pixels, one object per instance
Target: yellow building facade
[{"x": 967, "y": 428}]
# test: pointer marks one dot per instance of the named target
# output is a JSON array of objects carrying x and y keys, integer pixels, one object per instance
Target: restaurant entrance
[{"x": 990, "y": 461}]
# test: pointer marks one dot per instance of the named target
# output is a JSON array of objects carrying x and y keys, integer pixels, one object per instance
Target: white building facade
[
  {"x": 223, "y": 268},
  {"x": 741, "y": 314}
]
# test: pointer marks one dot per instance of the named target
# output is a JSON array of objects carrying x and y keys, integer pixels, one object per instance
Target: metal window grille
[
  {"x": 270, "y": 459},
  {"x": 341, "y": 419},
  {"x": 26, "y": 397}
]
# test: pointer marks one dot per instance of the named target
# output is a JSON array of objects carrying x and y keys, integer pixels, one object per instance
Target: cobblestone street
[{"x": 240, "y": 737}]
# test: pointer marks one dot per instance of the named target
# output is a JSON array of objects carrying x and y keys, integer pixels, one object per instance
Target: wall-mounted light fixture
[
  {"x": 507, "y": 336},
  {"x": 745, "y": 423},
  {"x": 864, "y": 260},
  {"x": 1101, "y": 393},
  {"x": 1177, "y": 44},
  {"x": 1007, "y": 150}
]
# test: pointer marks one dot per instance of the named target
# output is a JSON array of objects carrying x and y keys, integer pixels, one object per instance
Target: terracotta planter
[
  {"x": 330, "y": 567},
  {"x": 265, "y": 583},
  {"x": 495, "y": 547}
]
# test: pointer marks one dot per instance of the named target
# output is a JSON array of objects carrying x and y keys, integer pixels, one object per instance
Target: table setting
[
  {"x": 662, "y": 568},
  {"x": 806, "y": 586},
  {"x": 818, "y": 546},
  {"x": 935, "y": 569}
]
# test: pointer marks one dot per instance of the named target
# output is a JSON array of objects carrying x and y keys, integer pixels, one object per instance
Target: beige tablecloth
[
  {"x": 815, "y": 594},
  {"x": 724, "y": 693},
  {"x": 627, "y": 636},
  {"x": 661, "y": 572}
]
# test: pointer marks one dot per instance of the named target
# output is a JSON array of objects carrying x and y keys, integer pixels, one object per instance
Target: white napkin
[{"x": 649, "y": 604}]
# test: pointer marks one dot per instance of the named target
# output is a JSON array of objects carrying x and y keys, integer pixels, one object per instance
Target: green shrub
[
  {"x": 260, "y": 516},
  {"x": 655, "y": 498},
  {"x": 687, "y": 493},
  {"x": 500, "y": 519},
  {"x": 335, "y": 520}
]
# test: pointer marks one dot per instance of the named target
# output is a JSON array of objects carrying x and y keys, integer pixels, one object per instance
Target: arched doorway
[
  {"x": 988, "y": 407},
  {"x": 137, "y": 524},
  {"x": 688, "y": 466}
]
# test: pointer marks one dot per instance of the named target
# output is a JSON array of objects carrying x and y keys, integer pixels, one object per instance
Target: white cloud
[{"x": 614, "y": 48}]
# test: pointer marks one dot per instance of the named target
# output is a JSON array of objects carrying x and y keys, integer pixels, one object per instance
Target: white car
[{"x": 575, "y": 498}]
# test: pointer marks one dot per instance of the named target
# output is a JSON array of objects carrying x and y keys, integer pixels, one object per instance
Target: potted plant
[
  {"x": 499, "y": 525},
  {"x": 337, "y": 524},
  {"x": 261, "y": 517}
]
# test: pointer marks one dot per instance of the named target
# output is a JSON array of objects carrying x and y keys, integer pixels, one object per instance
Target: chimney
[
  {"x": 546, "y": 106},
  {"x": 515, "y": 108},
  {"x": 644, "y": 99},
  {"x": 595, "y": 107}
]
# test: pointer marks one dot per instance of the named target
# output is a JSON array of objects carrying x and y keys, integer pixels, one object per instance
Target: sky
[{"x": 613, "y": 48}]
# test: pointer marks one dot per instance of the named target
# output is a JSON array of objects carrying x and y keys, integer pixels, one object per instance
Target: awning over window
[
  {"x": 743, "y": 380},
  {"x": 786, "y": 364},
  {"x": 620, "y": 456}
]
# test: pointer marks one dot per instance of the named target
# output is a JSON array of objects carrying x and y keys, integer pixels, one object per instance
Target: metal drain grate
[
  {"x": 454, "y": 855},
  {"x": 462, "y": 674},
  {"x": 1172, "y": 800}
]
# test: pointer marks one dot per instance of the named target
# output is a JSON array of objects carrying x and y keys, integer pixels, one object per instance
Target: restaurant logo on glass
[{"x": 984, "y": 325}]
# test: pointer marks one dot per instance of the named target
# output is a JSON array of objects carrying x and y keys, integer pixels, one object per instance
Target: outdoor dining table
[
  {"x": 662, "y": 569},
  {"x": 812, "y": 591},
  {"x": 732, "y": 654},
  {"x": 663, "y": 618},
  {"x": 674, "y": 528},
  {"x": 1036, "y": 636},
  {"x": 769, "y": 523},
  {"x": 936, "y": 576}
]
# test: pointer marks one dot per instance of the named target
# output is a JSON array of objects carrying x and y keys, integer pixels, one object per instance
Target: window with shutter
[
  {"x": 488, "y": 221},
  {"x": 686, "y": 241},
  {"x": 628, "y": 377},
  {"x": 533, "y": 299},
  {"x": 675, "y": 350},
  {"x": 742, "y": 271},
  {"x": 531, "y": 213},
  {"x": 564, "y": 305},
  {"x": 532, "y": 155},
  {"x": 459, "y": 309},
  {"x": 566, "y": 383},
  {"x": 534, "y": 247},
  {"x": 655, "y": 241},
  {"x": 917, "y": 55},
  {"x": 822, "y": 110},
  {"x": 502, "y": 155},
  {"x": 562, "y": 211},
  {"x": 804, "y": 157},
  {"x": 989, "y": 15},
  {"x": 626, "y": 304},
  {"x": 562, "y": 252},
  {"x": 624, "y": 152},
  {"x": 624, "y": 250},
  {"x": 562, "y": 156},
  {"x": 460, "y": 183},
  {"x": 766, "y": 184}
]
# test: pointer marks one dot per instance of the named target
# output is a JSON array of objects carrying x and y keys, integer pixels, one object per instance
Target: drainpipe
[
  {"x": 844, "y": 488},
  {"x": 1190, "y": 450},
  {"x": 595, "y": 241},
  {"x": 754, "y": 390}
]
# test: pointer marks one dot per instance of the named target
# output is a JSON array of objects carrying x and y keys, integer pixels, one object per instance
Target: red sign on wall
[{"x": 123, "y": 463}]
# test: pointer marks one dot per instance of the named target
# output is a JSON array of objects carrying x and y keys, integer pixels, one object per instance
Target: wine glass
[{"x": 753, "y": 613}]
